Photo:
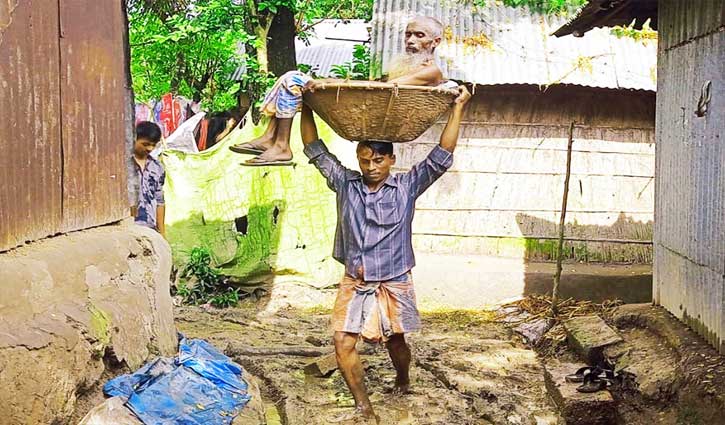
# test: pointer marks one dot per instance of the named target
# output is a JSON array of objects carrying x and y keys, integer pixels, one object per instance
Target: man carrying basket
[{"x": 376, "y": 298}]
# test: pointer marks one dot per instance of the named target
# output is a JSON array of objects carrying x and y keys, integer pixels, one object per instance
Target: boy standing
[{"x": 149, "y": 206}]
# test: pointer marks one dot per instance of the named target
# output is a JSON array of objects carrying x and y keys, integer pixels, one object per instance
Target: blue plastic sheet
[{"x": 200, "y": 386}]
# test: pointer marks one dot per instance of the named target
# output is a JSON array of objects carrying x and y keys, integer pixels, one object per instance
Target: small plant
[
  {"x": 343, "y": 71},
  {"x": 362, "y": 67},
  {"x": 202, "y": 283},
  {"x": 230, "y": 298},
  {"x": 646, "y": 33}
]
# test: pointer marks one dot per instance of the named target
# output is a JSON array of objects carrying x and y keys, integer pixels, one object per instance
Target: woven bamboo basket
[{"x": 373, "y": 111}]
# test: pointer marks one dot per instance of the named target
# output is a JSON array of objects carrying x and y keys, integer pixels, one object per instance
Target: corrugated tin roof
[
  {"x": 504, "y": 45},
  {"x": 331, "y": 42},
  {"x": 600, "y": 13},
  {"x": 322, "y": 57}
]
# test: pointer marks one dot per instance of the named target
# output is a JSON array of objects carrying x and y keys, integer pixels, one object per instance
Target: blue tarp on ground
[{"x": 200, "y": 386}]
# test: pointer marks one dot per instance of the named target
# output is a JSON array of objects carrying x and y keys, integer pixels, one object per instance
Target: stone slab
[
  {"x": 322, "y": 366},
  {"x": 577, "y": 408},
  {"x": 588, "y": 336},
  {"x": 111, "y": 411},
  {"x": 67, "y": 301}
]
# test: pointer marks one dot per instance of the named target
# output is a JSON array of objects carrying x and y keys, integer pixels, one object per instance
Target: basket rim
[{"x": 373, "y": 85}]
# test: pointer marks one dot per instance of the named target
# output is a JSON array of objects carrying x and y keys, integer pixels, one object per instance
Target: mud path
[{"x": 467, "y": 370}]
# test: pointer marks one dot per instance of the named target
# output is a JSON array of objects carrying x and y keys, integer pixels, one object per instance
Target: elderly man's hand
[
  {"x": 310, "y": 86},
  {"x": 463, "y": 95}
]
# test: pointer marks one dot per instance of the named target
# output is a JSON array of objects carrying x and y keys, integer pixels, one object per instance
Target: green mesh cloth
[{"x": 255, "y": 221}]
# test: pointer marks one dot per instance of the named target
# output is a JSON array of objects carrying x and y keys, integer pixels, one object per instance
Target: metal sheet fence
[
  {"x": 690, "y": 187},
  {"x": 62, "y": 85}
]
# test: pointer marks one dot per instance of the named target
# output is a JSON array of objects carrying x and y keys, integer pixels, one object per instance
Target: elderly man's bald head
[
  {"x": 432, "y": 24},
  {"x": 422, "y": 35}
]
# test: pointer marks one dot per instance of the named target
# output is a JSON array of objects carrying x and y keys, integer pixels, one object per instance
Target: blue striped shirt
[
  {"x": 374, "y": 228},
  {"x": 150, "y": 191}
]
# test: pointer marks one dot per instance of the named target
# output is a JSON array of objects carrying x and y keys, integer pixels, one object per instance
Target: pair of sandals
[
  {"x": 592, "y": 379},
  {"x": 249, "y": 149}
]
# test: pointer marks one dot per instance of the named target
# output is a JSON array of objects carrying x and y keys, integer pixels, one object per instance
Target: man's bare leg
[
  {"x": 400, "y": 355},
  {"x": 266, "y": 140},
  {"x": 351, "y": 368},
  {"x": 280, "y": 150}
]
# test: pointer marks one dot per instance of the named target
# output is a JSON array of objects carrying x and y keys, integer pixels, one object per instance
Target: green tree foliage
[
  {"x": 540, "y": 6},
  {"x": 187, "y": 48},
  {"x": 191, "y": 47},
  {"x": 312, "y": 10}
]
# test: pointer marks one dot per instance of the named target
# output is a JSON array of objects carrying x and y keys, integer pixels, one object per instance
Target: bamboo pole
[{"x": 562, "y": 218}]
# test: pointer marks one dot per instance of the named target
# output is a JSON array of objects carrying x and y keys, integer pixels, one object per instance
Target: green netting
[{"x": 254, "y": 220}]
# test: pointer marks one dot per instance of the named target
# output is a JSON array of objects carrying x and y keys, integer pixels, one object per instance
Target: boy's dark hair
[
  {"x": 380, "y": 148},
  {"x": 149, "y": 131}
]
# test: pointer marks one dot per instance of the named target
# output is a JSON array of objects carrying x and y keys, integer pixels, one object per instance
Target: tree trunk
[
  {"x": 281, "y": 44},
  {"x": 262, "y": 31}
]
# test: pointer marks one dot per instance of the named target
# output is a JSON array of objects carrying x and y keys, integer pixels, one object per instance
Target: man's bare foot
[
  {"x": 401, "y": 389},
  {"x": 273, "y": 154},
  {"x": 357, "y": 416}
]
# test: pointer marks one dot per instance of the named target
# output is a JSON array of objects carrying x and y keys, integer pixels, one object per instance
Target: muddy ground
[{"x": 468, "y": 369}]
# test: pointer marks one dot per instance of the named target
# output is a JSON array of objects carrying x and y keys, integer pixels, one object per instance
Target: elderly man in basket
[
  {"x": 376, "y": 299},
  {"x": 416, "y": 67}
]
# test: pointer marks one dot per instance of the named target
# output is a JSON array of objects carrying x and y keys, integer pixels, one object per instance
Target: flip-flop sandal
[
  {"x": 592, "y": 383},
  {"x": 578, "y": 376},
  {"x": 246, "y": 150},
  {"x": 287, "y": 162}
]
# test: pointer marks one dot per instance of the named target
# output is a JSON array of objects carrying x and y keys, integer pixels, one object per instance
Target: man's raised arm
[
  {"x": 328, "y": 165},
  {"x": 308, "y": 128},
  {"x": 449, "y": 137},
  {"x": 424, "y": 173}
]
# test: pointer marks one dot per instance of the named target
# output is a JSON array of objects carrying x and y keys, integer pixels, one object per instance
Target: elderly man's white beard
[{"x": 408, "y": 63}]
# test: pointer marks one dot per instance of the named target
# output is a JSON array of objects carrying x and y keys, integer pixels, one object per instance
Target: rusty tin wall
[
  {"x": 93, "y": 83},
  {"x": 62, "y": 96},
  {"x": 30, "y": 163},
  {"x": 689, "y": 266}
]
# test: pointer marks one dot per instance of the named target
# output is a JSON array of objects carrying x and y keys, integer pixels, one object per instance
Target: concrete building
[{"x": 689, "y": 264}]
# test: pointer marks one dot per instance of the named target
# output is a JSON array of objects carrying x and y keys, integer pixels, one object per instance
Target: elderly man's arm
[
  {"x": 427, "y": 76},
  {"x": 449, "y": 137}
]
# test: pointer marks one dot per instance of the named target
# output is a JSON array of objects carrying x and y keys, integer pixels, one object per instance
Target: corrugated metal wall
[
  {"x": 503, "y": 194},
  {"x": 62, "y": 99},
  {"x": 689, "y": 268},
  {"x": 93, "y": 84},
  {"x": 497, "y": 44},
  {"x": 30, "y": 163}
]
